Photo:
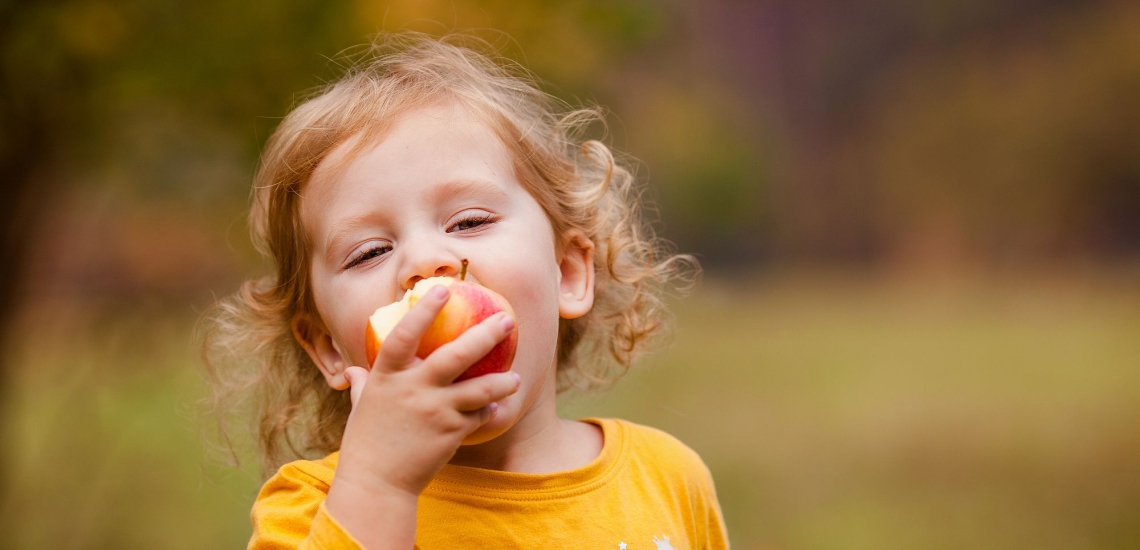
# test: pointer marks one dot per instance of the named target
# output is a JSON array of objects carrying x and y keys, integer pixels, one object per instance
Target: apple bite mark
[
  {"x": 468, "y": 305},
  {"x": 381, "y": 323}
]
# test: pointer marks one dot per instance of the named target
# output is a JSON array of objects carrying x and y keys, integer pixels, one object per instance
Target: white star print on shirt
[
  {"x": 621, "y": 545},
  {"x": 663, "y": 544}
]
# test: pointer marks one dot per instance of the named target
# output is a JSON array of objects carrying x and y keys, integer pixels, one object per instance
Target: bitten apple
[{"x": 468, "y": 305}]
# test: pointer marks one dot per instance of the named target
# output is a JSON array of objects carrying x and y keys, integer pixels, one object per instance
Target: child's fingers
[
  {"x": 357, "y": 378},
  {"x": 475, "y": 393},
  {"x": 480, "y": 416},
  {"x": 399, "y": 347},
  {"x": 450, "y": 360},
  {"x": 483, "y": 415}
]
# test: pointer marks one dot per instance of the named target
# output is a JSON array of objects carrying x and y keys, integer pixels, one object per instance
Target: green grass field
[{"x": 834, "y": 412}]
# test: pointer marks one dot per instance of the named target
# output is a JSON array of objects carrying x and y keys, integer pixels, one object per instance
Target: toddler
[{"x": 423, "y": 155}]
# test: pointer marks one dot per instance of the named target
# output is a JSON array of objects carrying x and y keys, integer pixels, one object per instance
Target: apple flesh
[{"x": 467, "y": 306}]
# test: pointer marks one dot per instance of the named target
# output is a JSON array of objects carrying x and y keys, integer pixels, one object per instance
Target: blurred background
[{"x": 919, "y": 323}]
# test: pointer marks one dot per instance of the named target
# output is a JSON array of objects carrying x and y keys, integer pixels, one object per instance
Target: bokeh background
[{"x": 919, "y": 322}]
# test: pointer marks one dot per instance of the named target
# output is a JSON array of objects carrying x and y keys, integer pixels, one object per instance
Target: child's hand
[{"x": 408, "y": 418}]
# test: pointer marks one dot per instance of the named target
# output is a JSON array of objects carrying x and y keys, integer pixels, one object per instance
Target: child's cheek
[{"x": 538, "y": 338}]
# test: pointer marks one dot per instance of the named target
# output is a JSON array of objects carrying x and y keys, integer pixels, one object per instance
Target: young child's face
[{"x": 439, "y": 187}]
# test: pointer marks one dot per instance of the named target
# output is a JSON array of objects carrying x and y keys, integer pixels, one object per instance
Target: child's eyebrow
[
  {"x": 466, "y": 187},
  {"x": 341, "y": 230}
]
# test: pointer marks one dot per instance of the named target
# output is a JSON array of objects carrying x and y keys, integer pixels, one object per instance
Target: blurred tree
[
  {"x": 44, "y": 82},
  {"x": 76, "y": 73},
  {"x": 1014, "y": 149}
]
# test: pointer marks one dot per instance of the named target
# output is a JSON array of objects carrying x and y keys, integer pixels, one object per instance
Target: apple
[{"x": 467, "y": 306}]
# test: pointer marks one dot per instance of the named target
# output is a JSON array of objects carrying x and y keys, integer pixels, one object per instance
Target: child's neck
[{"x": 539, "y": 443}]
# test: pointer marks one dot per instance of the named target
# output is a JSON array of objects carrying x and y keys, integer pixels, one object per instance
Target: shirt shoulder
[
  {"x": 318, "y": 473},
  {"x": 647, "y": 443},
  {"x": 658, "y": 459},
  {"x": 289, "y": 511}
]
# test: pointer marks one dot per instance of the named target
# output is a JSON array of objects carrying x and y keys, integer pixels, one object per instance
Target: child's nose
[{"x": 426, "y": 264}]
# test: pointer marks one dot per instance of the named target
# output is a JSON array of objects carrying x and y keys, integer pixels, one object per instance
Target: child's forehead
[{"x": 440, "y": 124}]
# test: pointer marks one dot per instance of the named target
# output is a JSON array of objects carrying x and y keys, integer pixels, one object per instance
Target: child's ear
[
  {"x": 576, "y": 285},
  {"x": 322, "y": 349}
]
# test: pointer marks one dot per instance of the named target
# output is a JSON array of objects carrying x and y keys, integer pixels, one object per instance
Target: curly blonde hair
[{"x": 249, "y": 347}]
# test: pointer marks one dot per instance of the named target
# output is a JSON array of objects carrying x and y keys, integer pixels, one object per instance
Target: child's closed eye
[
  {"x": 372, "y": 251},
  {"x": 472, "y": 221}
]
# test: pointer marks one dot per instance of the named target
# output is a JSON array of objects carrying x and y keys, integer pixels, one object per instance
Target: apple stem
[{"x": 463, "y": 270}]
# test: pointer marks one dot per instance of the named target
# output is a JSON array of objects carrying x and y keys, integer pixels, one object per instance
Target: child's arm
[{"x": 407, "y": 421}]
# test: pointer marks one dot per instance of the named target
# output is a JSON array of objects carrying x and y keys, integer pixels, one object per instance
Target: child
[{"x": 414, "y": 161}]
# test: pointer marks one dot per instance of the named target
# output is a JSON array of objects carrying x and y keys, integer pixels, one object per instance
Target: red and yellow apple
[{"x": 467, "y": 306}]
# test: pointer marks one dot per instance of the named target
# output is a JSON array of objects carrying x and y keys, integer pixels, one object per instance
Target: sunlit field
[{"x": 834, "y": 412}]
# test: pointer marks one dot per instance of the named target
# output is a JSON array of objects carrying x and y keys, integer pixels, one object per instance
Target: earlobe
[
  {"x": 324, "y": 352},
  {"x": 576, "y": 286}
]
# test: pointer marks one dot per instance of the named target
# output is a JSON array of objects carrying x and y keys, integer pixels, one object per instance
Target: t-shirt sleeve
[
  {"x": 716, "y": 535},
  {"x": 681, "y": 466},
  {"x": 290, "y": 513}
]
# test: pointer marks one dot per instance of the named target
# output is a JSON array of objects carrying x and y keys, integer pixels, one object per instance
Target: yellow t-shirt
[{"x": 646, "y": 490}]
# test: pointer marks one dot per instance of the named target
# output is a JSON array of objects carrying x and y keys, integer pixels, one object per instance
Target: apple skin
[{"x": 468, "y": 305}]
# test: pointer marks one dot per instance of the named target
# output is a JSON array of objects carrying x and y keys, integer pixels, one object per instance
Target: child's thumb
[{"x": 357, "y": 378}]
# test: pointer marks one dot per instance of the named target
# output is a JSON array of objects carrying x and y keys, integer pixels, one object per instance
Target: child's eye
[
  {"x": 472, "y": 221},
  {"x": 368, "y": 254}
]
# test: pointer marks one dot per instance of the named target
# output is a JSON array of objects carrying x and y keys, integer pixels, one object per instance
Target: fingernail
[
  {"x": 438, "y": 291},
  {"x": 518, "y": 379},
  {"x": 507, "y": 322},
  {"x": 494, "y": 407}
]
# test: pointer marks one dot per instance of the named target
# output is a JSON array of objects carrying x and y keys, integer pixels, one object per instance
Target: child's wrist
[
  {"x": 366, "y": 482},
  {"x": 376, "y": 515}
]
